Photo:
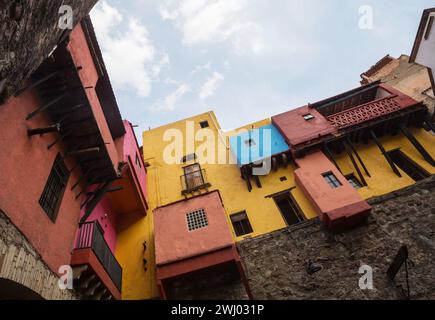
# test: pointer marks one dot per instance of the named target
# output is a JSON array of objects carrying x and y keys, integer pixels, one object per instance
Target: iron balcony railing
[
  {"x": 194, "y": 181},
  {"x": 91, "y": 237}
]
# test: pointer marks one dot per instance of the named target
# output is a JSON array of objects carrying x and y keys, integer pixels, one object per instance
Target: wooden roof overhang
[{"x": 64, "y": 99}]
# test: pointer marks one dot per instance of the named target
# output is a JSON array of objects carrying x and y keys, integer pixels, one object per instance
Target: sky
[{"x": 246, "y": 60}]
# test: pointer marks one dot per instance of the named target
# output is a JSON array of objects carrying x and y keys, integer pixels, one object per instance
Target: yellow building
[{"x": 196, "y": 148}]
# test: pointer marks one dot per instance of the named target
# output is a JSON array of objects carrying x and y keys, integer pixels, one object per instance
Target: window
[
  {"x": 241, "y": 223},
  {"x": 288, "y": 208},
  {"x": 138, "y": 162},
  {"x": 189, "y": 157},
  {"x": 54, "y": 188},
  {"x": 250, "y": 142},
  {"x": 196, "y": 220},
  {"x": 332, "y": 180},
  {"x": 411, "y": 168},
  {"x": 204, "y": 124},
  {"x": 308, "y": 117},
  {"x": 193, "y": 176},
  {"x": 354, "y": 182},
  {"x": 429, "y": 28}
]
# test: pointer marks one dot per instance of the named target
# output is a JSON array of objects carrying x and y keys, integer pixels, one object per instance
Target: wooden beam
[
  {"x": 416, "y": 144},
  {"x": 82, "y": 151},
  {"x": 430, "y": 124},
  {"x": 385, "y": 153},
  {"x": 330, "y": 156},
  {"x": 257, "y": 181},
  {"x": 78, "y": 271},
  {"x": 357, "y": 155},
  {"x": 92, "y": 203},
  {"x": 355, "y": 165},
  {"x": 47, "y": 105},
  {"x": 38, "y": 82},
  {"x": 41, "y": 131}
]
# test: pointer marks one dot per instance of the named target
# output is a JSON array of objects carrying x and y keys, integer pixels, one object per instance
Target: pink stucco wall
[
  {"x": 106, "y": 216},
  {"x": 131, "y": 149},
  {"x": 331, "y": 204},
  {"x": 174, "y": 241},
  {"x": 295, "y": 129}
]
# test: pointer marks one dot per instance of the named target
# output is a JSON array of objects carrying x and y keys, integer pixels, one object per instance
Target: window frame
[
  {"x": 137, "y": 160},
  {"x": 186, "y": 158},
  {"x": 331, "y": 182},
  {"x": 59, "y": 174},
  {"x": 204, "y": 124},
  {"x": 351, "y": 177},
  {"x": 244, "y": 232},
  {"x": 187, "y": 173}
]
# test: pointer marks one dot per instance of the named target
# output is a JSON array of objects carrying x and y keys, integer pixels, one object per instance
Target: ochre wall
[
  {"x": 165, "y": 187},
  {"x": 383, "y": 180}
]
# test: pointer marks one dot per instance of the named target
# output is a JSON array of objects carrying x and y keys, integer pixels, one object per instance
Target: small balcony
[
  {"x": 365, "y": 112},
  {"x": 195, "y": 180},
  {"x": 96, "y": 270}
]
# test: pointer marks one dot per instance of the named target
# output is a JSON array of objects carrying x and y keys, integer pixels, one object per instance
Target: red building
[{"x": 68, "y": 160}]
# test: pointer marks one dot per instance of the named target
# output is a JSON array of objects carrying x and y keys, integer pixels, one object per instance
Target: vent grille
[{"x": 196, "y": 220}]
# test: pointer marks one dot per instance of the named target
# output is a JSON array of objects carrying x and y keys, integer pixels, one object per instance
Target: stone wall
[
  {"x": 276, "y": 263},
  {"x": 20, "y": 263},
  {"x": 220, "y": 283},
  {"x": 28, "y": 33}
]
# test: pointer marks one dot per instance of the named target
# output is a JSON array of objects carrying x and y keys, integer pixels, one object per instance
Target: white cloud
[
  {"x": 129, "y": 54},
  {"x": 210, "y": 86},
  {"x": 168, "y": 104},
  {"x": 208, "y": 21},
  {"x": 200, "y": 68}
]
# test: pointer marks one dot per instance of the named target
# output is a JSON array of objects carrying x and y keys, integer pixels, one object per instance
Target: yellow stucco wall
[
  {"x": 383, "y": 180},
  {"x": 164, "y": 187}
]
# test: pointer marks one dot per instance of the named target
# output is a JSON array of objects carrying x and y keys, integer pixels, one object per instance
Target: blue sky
[{"x": 245, "y": 59}]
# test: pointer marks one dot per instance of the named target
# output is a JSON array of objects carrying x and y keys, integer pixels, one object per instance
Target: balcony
[
  {"x": 365, "y": 112},
  {"x": 194, "y": 181},
  {"x": 96, "y": 260}
]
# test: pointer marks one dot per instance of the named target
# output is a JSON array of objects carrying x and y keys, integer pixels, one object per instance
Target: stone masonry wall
[
  {"x": 28, "y": 33},
  {"x": 276, "y": 263},
  {"x": 19, "y": 262}
]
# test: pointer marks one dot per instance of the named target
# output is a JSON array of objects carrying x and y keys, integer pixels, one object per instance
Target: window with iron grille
[
  {"x": 241, "y": 223},
  {"x": 196, "y": 219},
  {"x": 54, "y": 188},
  {"x": 332, "y": 180},
  {"x": 193, "y": 176},
  {"x": 354, "y": 182}
]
